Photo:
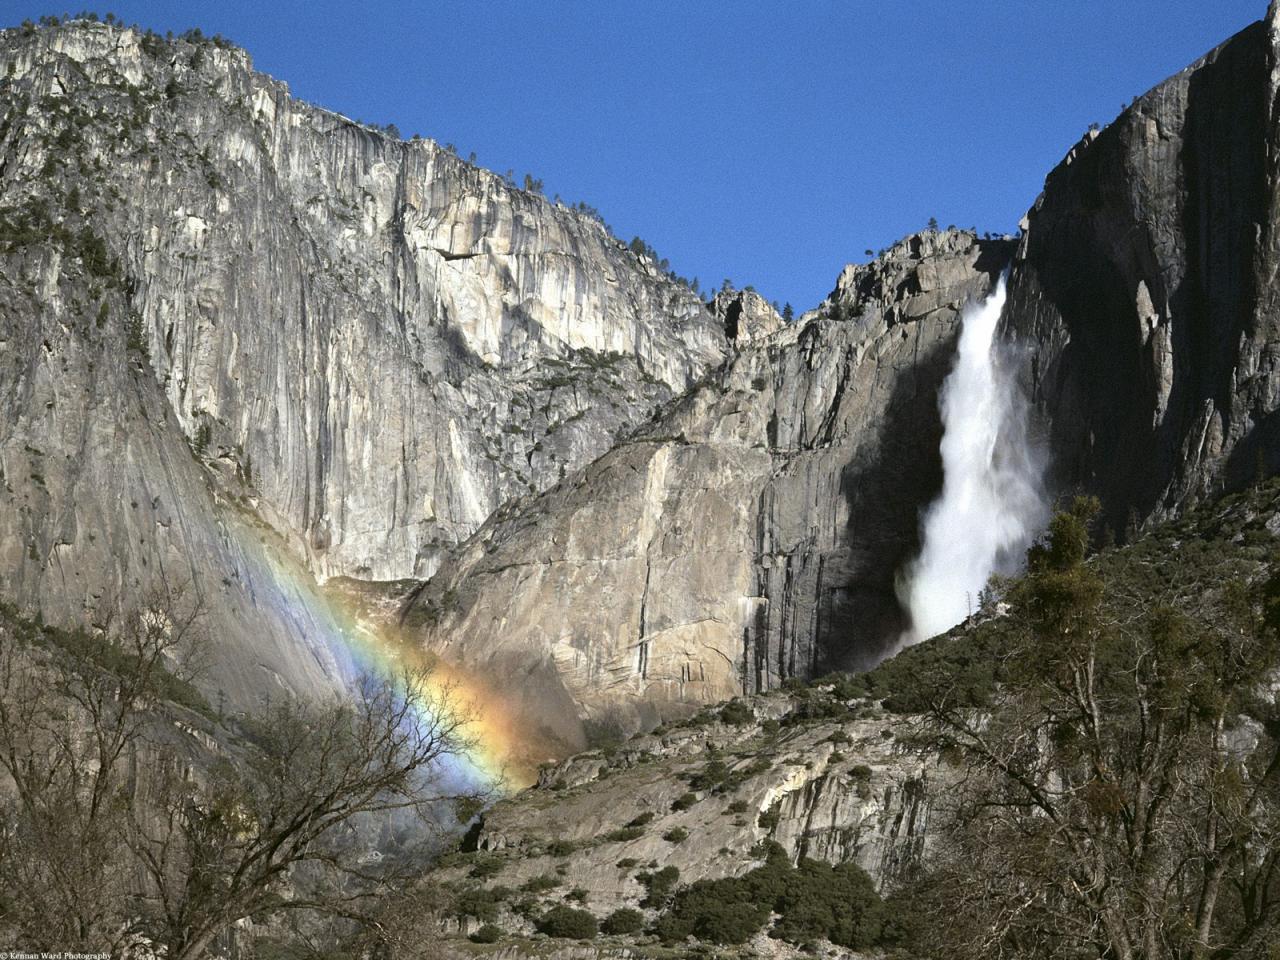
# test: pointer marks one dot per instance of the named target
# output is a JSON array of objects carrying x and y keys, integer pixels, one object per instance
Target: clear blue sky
[{"x": 769, "y": 141}]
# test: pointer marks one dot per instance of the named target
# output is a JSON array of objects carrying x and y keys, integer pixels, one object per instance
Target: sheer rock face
[
  {"x": 755, "y": 532},
  {"x": 367, "y": 344},
  {"x": 749, "y": 535},
  {"x": 1147, "y": 282}
]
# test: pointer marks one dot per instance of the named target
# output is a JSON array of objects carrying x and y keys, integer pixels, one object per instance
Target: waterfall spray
[{"x": 992, "y": 503}]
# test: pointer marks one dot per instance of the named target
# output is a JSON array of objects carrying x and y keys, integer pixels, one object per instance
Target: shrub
[
  {"x": 480, "y": 902},
  {"x": 676, "y": 835},
  {"x": 561, "y": 848},
  {"x": 626, "y": 863},
  {"x": 643, "y": 820},
  {"x": 658, "y": 886},
  {"x": 684, "y": 802},
  {"x": 861, "y": 772},
  {"x": 839, "y": 904},
  {"x": 737, "y": 713},
  {"x": 624, "y": 834},
  {"x": 768, "y": 819},
  {"x": 568, "y": 923},
  {"x": 719, "y": 911},
  {"x": 814, "y": 902},
  {"x": 486, "y": 868},
  {"x": 814, "y": 709},
  {"x": 623, "y": 921},
  {"x": 738, "y": 806},
  {"x": 712, "y": 775},
  {"x": 578, "y": 895},
  {"x": 487, "y": 934}
]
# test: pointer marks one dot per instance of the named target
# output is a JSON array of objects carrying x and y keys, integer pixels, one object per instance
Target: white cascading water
[{"x": 992, "y": 504}]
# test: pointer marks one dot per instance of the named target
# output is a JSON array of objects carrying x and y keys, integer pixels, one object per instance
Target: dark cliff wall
[{"x": 1146, "y": 279}]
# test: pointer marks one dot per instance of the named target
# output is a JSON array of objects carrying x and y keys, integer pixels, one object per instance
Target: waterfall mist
[{"x": 992, "y": 503}]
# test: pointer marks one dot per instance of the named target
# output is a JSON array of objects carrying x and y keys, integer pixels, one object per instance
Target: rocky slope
[
  {"x": 839, "y": 790},
  {"x": 840, "y": 770},
  {"x": 750, "y": 534},
  {"x": 229, "y": 317}
]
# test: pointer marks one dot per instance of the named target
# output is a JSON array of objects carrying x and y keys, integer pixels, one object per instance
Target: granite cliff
[
  {"x": 249, "y": 344},
  {"x": 750, "y": 534},
  {"x": 1146, "y": 279}
]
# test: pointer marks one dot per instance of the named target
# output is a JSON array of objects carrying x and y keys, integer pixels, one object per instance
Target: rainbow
[{"x": 498, "y": 761}]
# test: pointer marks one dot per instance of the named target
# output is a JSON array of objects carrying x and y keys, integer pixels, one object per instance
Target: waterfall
[{"x": 992, "y": 504}]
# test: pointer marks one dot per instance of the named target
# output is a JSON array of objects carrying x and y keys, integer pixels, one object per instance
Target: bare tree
[
  {"x": 262, "y": 834},
  {"x": 124, "y": 823},
  {"x": 72, "y": 707}
]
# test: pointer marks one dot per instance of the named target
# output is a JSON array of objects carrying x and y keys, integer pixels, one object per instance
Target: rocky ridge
[{"x": 703, "y": 798}]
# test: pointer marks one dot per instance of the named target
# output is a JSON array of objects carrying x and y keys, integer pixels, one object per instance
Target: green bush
[
  {"x": 718, "y": 911},
  {"x": 568, "y": 924},
  {"x": 712, "y": 775},
  {"x": 676, "y": 835},
  {"x": 814, "y": 902},
  {"x": 623, "y": 921},
  {"x": 486, "y": 868},
  {"x": 684, "y": 802},
  {"x": 487, "y": 934},
  {"x": 623, "y": 834},
  {"x": 815, "y": 709},
  {"x": 480, "y": 902},
  {"x": 643, "y": 820},
  {"x": 737, "y": 712},
  {"x": 839, "y": 904},
  {"x": 658, "y": 886}
]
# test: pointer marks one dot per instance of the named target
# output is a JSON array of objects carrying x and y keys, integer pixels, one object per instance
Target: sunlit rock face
[
  {"x": 751, "y": 534},
  {"x": 1147, "y": 281},
  {"x": 745, "y": 314},
  {"x": 870, "y": 800},
  {"x": 229, "y": 318}
]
